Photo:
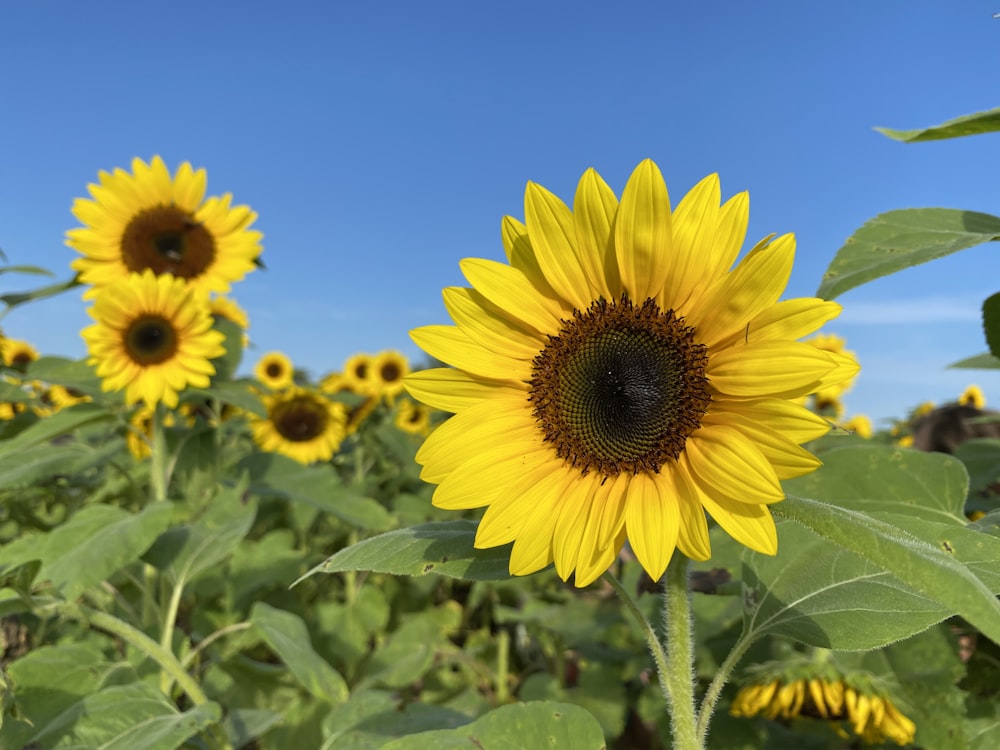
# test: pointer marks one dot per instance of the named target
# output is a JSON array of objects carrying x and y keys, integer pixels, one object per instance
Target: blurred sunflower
[
  {"x": 153, "y": 337},
  {"x": 973, "y": 396},
  {"x": 617, "y": 379},
  {"x": 357, "y": 373},
  {"x": 275, "y": 371},
  {"x": 57, "y": 397},
  {"x": 860, "y": 425},
  {"x": 139, "y": 435},
  {"x": 333, "y": 382},
  {"x": 412, "y": 417},
  {"x": 18, "y": 354},
  {"x": 387, "y": 372},
  {"x": 150, "y": 220},
  {"x": 827, "y": 400},
  {"x": 301, "y": 424}
]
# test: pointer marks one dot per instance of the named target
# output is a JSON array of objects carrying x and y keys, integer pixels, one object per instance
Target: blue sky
[{"x": 382, "y": 142}]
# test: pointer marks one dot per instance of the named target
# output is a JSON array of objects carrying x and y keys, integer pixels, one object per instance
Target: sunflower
[
  {"x": 301, "y": 424},
  {"x": 18, "y": 354},
  {"x": 150, "y": 220},
  {"x": 333, "y": 382},
  {"x": 275, "y": 371},
  {"x": 139, "y": 435},
  {"x": 153, "y": 337},
  {"x": 616, "y": 380},
  {"x": 827, "y": 400},
  {"x": 387, "y": 372},
  {"x": 412, "y": 417},
  {"x": 973, "y": 396},
  {"x": 357, "y": 373},
  {"x": 860, "y": 425}
]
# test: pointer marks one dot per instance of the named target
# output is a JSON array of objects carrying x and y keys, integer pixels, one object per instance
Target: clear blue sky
[{"x": 382, "y": 142}]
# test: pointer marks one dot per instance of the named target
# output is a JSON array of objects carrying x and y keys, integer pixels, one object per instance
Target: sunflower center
[
  {"x": 150, "y": 340},
  {"x": 620, "y": 388},
  {"x": 390, "y": 372},
  {"x": 300, "y": 420},
  {"x": 274, "y": 370},
  {"x": 167, "y": 239}
]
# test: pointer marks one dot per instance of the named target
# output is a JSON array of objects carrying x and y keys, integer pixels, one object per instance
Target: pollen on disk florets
[{"x": 620, "y": 387}]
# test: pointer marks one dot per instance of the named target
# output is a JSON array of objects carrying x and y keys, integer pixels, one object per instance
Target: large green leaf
[
  {"x": 444, "y": 548},
  {"x": 288, "y": 637},
  {"x": 47, "y": 429},
  {"x": 72, "y": 373},
  {"x": 816, "y": 592},
  {"x": 317, "y": 485},
  {"x": 91, "y": 546},
  {"x": 233, "y": 392},
  {"x": 126, "y": 717},
  {"x": 370, "y": 718},
  {"x": 191, "y": 549},
  {"x": 899, "y": 239},
  {"x": 984, "y": 361},
  {"x": 871, "y": 477},
  {"x": 981, "y": 122},
  {"x": 991, "y": 323},
  {"x": 543, "y": 724},
  {"x": 34, "y": 467},
  {"x": 932, "y": 571},
  {"x": 19, "y": 298}
]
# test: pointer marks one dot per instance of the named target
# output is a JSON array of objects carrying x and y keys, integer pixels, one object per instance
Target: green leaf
[
  {"x": 19, "y": 298},
  {"x": 36, "y": 270},
  {"x": 233, "y": 392},
  {"x": 288, "y": 637},
  {"x": 242, "y": 725},
  {"x": 871, "y": 478},
  {"x": 981, "y": 457},
  {"x": 371, "y": 717},
  {"x": 36, "y": 467},
  {"x": 985, "y": 361},
  {"x": 818, "y": 593},
  {"x": 548, "y": 724},
  {"x": 444, "y": 548},
  {"x": 899, "y": 239},
  {"x": 977, "y": 124},
  {"x": 930, "y": 571},
  {"x": 72, "y": 373},
  {"x": 47, "y": 429},
  {"x": 317, "y": 485},
  {"x": 126, "y": 717},
  {"x": 228, "y": 363},
  {"x": 991, "y": 323},
  {"x": 189, "y": 550},
  {"x": 95, "y": 543}
]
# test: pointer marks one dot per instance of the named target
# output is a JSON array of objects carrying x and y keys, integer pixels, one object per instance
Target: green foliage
[{"x": 977, "y": 124}]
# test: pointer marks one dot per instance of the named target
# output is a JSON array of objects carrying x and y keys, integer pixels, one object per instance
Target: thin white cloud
[{"x": 965, "y": 309}]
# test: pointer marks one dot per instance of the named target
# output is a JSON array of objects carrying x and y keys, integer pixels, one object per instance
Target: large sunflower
[
  {"x": 616, "y": 380},
  {"x": 301, "y": 424},
  {"x": 148, "y": 220},
  {"x": 153, "y": 337}
]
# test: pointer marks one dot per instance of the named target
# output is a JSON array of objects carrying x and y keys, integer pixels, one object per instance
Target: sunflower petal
[
  {"x": 453, "y": 390},
  {"x": 723, "y": 459},
  {"x": 642, "y": 231},
  {"x": 550, "y": 227},
  {"x": 594, "y": 209},
  {"x": 651, "y": 517},
  {"x": 451, "y": 345},
  {"x": 770, "y": 368},
  {"x": 511, "y": 291}
]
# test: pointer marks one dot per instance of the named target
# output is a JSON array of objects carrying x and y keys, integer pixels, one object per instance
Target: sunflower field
[{"x": 619, "y": 505}]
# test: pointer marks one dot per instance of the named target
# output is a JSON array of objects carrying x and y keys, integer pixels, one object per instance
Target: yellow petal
[
  {"x": 791, "y": 319},
  {"x": 694, "y": 224},
  {"x": 722, "y": 459},
  {"x": 511, "y": 291},
  {"x": 521, "y": 255},
  {"x": 449, "y": 344},
  {"x": 505, "y": 517},
  {"x": 783, "y": 369},
  {"x": 550, "y": 227},
  {"x": 786, "y": 458},
  {"x": 795, "y": 422},
  {"x": 651, "y": 518},
  {"x": 593, "y": 562},
  {"x": 750, "y": 525},
  {"x": 453, "y": 390},
  {"x": 643, "y": 240},
  {"x": 692, "y": 536},
  {"x": 594, "y": 209},
  {"x": 571, "y": 524},
  {"x": 484, "y": 322}
]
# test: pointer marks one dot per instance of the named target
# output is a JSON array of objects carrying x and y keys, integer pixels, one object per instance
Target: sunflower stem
[
  {"x": 680, "y": 654},
  {"x": 718, "y": 682},
  {"x": 655, "y": 647},
  {"x": 158, "y": 448}
]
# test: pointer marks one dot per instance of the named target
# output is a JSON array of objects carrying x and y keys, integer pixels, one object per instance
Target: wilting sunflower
[
  {"x": 153, "y": 337},
  {"x": 388, "y": 369},
  {"x": 18, "y": 354},
  {"x": 301, "y": 424},
  {"x": 147, "y": 219},
  {"x": 616, "y": 380},
  {"x": 358, "y": 373},
  {"x": 275, "y": 371}
]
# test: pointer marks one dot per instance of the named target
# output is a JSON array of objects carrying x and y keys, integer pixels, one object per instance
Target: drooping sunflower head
[
  {"x": 153, "y": 337},
  {"x": 18, "y": 354},
  {"x": 619, "y": 377},
  {"x": 387, "y": 371},
  {"x": 301, "y": 424},
  {"x": 148, "y": 220},
  {"x": 275, "y": 371}
]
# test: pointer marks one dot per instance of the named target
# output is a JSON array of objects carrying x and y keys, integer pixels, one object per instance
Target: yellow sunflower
[
  {"x": 358, "y": 373},
  {"x": 153, "y": 337},
  {"x": 150, "y": 220},
  {"x": 18, "y": 354},
  {"x": 139, "y": 435},
  {"x": 333, "y": 382},
  {"x": 860, "y": 425},
  {"x": 387, "y": 372},
  {"x": 275, "y": 371},
  {"x": 301, "y": 424},
  {"x": 973, "y": 396},
  {"x": 412, "y": 417},
  {"x": 616, "y": 380}
]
